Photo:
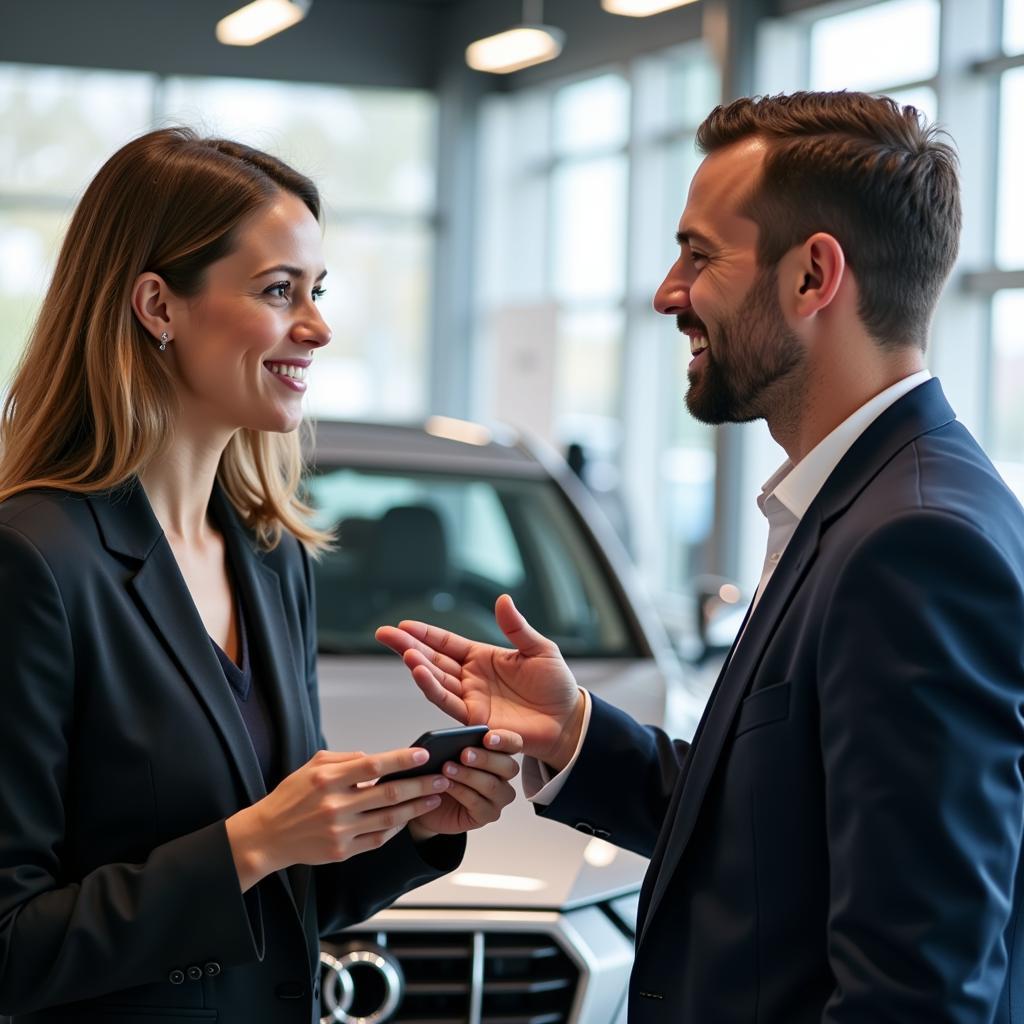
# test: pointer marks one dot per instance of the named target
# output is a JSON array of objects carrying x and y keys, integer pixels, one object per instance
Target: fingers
[
  {"x": 454, "y": 647},
  {"x": 403, "y": 643},
  {"x": 503, "y": 740},
  {"x": 367, "y": 767},
  {"x": 520, "y": 633},
  {"x": 481, "y": 794},
  {"x": 377, "y": 827},
  {"x": 439, "y": 695}
]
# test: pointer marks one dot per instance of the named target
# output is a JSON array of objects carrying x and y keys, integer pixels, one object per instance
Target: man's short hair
[{"x": 869, "y": 172}]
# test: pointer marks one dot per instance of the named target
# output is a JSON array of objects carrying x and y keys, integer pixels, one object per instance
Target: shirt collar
[{"x": 796, "y": 486}]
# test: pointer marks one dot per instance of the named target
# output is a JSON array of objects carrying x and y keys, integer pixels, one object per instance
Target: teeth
[
  {"x": 286, "y": 370},
  {"x": 697, "y": 344}
]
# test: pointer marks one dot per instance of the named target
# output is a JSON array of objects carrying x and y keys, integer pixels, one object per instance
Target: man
[{"x": 842, "y": 838}]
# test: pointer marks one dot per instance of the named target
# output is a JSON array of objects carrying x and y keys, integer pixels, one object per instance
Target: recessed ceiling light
[
  {"x": 260, "y": 20},
  {"x": 641, "y": 8}
]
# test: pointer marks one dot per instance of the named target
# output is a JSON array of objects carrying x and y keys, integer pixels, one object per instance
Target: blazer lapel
[
  {"x": 260, "y": 589},
  {"x": 920, "y": 411},
  {"x": 730, "y": 690},
  {"x": 278, "y": 671},
  {"x": 129, "y": 528}
]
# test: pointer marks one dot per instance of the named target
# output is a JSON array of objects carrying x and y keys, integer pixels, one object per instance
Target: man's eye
[
  {"x": 697, "y": 257},
  {"x": 280, "y": 290},
  {"x": 319, "y": 293}
]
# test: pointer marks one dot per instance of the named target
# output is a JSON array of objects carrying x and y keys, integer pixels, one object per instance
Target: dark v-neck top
[{"x": 252, "y": 702}]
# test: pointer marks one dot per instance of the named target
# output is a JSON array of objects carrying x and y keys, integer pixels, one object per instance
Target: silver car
[{"x": 434, "y": 523}]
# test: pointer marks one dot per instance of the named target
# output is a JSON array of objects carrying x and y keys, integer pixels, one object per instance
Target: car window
[{"x": 442, "y": 548}]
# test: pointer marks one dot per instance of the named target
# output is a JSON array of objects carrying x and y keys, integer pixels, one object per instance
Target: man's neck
[{"x": 834, "y": 393}]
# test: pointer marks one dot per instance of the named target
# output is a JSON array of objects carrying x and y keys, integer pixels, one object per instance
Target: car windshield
[{"x": 442, "y": 548}]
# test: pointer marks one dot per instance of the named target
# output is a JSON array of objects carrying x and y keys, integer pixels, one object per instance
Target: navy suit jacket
[
  {"x": 841, "y": 842},
  {"x": 122, "y": 751}
]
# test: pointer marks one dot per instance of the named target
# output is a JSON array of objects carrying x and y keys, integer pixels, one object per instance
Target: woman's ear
[
  {"x": 152, "y": 306},
  {"x": 815, "y": 272}
]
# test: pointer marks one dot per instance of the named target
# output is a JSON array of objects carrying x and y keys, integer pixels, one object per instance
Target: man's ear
[
  {"x": 152, "y": 304},
  {"x": 814, "y": 273}
]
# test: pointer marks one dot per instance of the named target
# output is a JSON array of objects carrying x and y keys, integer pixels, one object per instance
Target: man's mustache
[{"x": 689, "y": 322}]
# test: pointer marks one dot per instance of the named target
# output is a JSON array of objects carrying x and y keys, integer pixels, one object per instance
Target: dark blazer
[
  {"x": 122, "y": 752},
  {"x": 842, "y": 841}
]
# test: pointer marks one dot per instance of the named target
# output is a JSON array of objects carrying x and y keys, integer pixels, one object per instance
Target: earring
[{"x": 164, "y": 338}]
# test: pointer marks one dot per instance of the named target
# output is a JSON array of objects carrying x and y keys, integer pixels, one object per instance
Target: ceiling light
[
  {"x": 641, "y": 8},
  {"x": 522, "y": 46},
  {"x": 260, "y": 20}
]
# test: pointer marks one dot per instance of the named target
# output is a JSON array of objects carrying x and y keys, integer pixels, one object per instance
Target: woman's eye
[
  {"x": 319, "y": 293},
  {"x": 280, "y": 290}
]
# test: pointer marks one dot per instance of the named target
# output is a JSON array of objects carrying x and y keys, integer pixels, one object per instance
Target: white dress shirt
[{"x": 784, "y": 499}]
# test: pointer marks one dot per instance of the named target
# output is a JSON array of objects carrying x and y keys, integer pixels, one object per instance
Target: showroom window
[
  {"x": 581, "y": 187},
  {"x": 371, "y": 151},
  {"x": 962, "y": 64}
]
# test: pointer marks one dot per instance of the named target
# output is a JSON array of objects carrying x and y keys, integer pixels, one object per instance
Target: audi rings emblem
[{"x": 360, "y": 985}]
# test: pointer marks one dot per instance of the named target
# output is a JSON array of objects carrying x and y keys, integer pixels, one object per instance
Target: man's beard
[{"x": 751, "y": 363}]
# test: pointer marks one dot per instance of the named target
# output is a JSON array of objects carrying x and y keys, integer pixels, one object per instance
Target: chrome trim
[
  {"x": 339, "y": 978},
  {"x": 476, "y": 991},
  {"x": 377, "y": 959}
]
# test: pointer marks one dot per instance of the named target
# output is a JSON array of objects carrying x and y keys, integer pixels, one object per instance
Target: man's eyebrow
[
  {"x": 285, "y": 268},
  {"x": 688, "y": 237}
]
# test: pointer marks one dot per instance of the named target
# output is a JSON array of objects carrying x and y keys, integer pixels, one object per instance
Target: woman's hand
[
  {"x": 528, "y": 690},
  {"x": 328, "y": 810},
  {"x": 481, "y": 787}
]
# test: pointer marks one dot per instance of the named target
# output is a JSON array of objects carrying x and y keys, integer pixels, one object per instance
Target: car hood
[{"x": 524, "y": 861}]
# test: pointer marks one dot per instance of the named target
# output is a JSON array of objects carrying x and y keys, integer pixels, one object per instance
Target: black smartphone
[{"x": 443, "y": 745}]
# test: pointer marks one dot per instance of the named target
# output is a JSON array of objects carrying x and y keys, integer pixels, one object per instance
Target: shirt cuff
[{"x": 539, "y": 785}]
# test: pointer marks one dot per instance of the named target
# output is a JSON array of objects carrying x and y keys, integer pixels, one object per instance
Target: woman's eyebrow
[{"x": 285, "y": 268}]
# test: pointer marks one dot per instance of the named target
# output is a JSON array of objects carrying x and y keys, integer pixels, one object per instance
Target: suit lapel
[
  {"x": 730, "y": 690},
  {"x": 920, "y": 411},
  {"x": 129, "y": 528},
  {"x": 274, "y": 661},
  {"x": 260, "y": 590}
]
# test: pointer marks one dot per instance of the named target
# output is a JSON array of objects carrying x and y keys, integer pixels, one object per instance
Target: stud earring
[{"x": 164, "y": 338}]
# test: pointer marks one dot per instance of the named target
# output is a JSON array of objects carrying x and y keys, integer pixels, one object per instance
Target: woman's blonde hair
[{"x": 92, "y": 401}]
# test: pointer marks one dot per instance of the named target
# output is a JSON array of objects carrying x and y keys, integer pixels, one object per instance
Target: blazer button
[
  {"x": 195, "y": 973},
  {"x": 176, "y": 977},
  {"x": 602, "y": 833},
  {"x": 212, "y": 969},
  {"x": 585, "y": 827}
]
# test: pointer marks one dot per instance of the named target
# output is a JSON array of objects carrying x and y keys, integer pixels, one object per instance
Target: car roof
[{"x": 438, "y": 445}]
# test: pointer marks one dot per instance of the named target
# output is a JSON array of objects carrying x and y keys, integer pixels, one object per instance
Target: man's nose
[{"x": 673, "y": 295}]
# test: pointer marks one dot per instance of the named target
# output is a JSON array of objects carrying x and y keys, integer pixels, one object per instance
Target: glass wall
[
  {"x": 582, "y": 184},
  {"x": 371, "y": 151}
]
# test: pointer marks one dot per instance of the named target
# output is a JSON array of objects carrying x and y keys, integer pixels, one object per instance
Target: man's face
[{"x": 745, "y": 357}]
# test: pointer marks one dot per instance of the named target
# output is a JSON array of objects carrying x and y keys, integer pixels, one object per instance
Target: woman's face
[{"x": 243, "y": 346}]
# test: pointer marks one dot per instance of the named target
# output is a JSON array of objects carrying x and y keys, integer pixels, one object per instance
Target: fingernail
[
  {"x": 433, "y": 801},
  {"x": 493, "y": 739},
  {"x": 440, "y": 783},
  {"x": 470, "y": 757},
  {"x": 450, "y": 769},
  {"x": 419, "y": 756}
]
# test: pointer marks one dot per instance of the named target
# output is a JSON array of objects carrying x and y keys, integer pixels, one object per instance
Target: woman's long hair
[{"x": 92, "y": 401}]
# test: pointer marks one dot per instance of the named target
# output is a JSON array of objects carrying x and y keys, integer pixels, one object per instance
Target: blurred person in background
[
  {"x": 841, "y": 841},
  {"x": 173, "y": 838}
]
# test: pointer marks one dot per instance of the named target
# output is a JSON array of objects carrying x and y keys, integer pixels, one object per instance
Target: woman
[{"x": 162, "y": 790}]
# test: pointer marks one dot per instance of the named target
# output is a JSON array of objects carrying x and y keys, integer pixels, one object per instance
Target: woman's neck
[{"x": 179, "y": 483}]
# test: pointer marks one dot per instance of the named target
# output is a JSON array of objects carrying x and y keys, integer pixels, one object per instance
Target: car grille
[{"x": 474, "y": 977}]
